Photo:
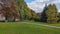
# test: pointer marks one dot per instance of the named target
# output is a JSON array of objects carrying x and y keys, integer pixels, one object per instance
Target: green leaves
[
  {"x": 52, "y": 14},
  {"x": 25, "y": 12}
]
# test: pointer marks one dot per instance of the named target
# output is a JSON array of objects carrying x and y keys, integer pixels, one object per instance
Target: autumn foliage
[{"x": 9, "y": 9}]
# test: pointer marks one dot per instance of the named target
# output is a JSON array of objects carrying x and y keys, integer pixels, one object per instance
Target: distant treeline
[{"x": 17, "y": 10}]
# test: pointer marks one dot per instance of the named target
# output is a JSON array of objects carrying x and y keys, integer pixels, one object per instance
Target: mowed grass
[
  {"x": 57, "y": 24},
  {"x": 23, "y": 28}
]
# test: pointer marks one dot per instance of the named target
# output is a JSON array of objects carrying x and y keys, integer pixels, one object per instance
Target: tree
[
  {"x": 58, "y": 17},
  {"x": 52, "y": 14},
  {"x": 17, "y": 9},
  {"x": 9, "y": 9},
  {"x": 33, "y": 13},
  {"x": 27, "y": 13},
  {"x": 21, "y": 4},
  {"x": 43, "y": 14},
  {"x": 24, "y": 10}
]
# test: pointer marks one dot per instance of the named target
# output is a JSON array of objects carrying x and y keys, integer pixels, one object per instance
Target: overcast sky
[{"x": 38, "y": 5}]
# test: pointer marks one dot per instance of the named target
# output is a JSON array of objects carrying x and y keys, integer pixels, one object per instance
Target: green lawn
[
  {"x": 58, "y": 24},
  {"x": 23, "y": 28}
]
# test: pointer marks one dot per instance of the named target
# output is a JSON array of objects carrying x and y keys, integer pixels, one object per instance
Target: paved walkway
[{"x": 43, "y": 25}]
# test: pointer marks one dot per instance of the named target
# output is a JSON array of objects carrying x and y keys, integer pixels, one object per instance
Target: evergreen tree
[{"x": 43, "y": 14}]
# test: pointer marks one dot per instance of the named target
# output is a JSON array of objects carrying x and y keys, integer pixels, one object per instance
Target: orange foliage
[{"x": 9, "y": 10}]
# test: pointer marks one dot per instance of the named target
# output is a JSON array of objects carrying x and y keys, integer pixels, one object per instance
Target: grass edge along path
[{"x": 42, "y": 25}]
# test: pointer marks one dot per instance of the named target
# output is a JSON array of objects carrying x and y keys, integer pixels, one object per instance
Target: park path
[{"x": 43, "y": 25}]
